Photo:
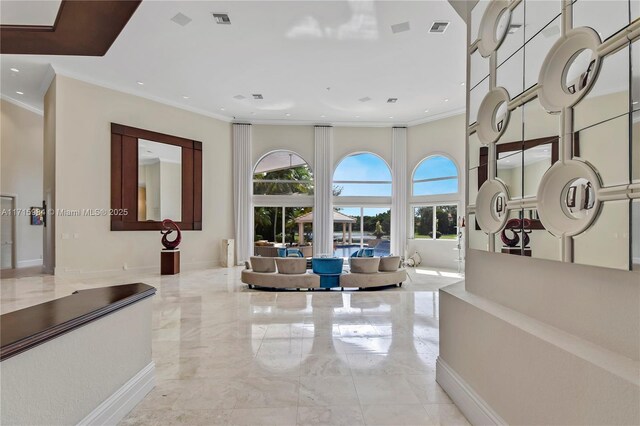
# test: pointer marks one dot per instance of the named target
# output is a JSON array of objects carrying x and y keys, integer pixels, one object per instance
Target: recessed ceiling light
[
  {"x": 181, "y": 19},
  {"x": 222, "y": 109},
  {"x": 635, "y": 102},
  {"x": 446, "y": 100},
  {"x": 323, "y": 116},
  {"x": 288, "y": 115},
  {"x": 140, "y": 83},
  {"x": 19, "y": 92},
  {"x": 426, "y": 110},
  {"x": 222, "y": 18},
  {"x": 392, "y": 100},
  {"x": 357, "y": 116},
  {"x": 257, "y": 96},
  {"x": 401, "y": 27},
  {"x": 390, "y": 117},
  {"x": 185, "y": 97},
  {"x": 15, "y": 70},
  {"x": 439, "y": 27},
  {"x": 462, "y": 84},
  {"x": 365, "y": 99}
]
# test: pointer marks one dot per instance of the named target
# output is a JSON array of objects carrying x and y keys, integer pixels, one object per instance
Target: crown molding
[
  {"x": 280, "y": 122},
  {"x": 140, "y": 94},
  {"x": 21, "y": 104}
]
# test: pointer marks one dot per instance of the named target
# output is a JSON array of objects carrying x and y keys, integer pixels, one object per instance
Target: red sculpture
[
  {"x": 168, "y": 224},
  {"x": 516, "y": 226}
]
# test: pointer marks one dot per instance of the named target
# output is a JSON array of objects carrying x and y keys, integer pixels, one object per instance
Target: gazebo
[{"x": 337, "y": 218}]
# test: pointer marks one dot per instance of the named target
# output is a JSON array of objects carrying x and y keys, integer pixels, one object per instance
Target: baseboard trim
[
  {"x": 118, "y": 405},
  {"x": 475, "y": 409},
  {"x": 29, "y": 263}
]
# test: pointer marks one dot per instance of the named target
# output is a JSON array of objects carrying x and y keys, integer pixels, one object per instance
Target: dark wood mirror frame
[{"x": 124, "y": 179}]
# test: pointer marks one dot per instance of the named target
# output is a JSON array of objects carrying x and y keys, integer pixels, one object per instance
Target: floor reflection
[{"x": 228, "y": 355}]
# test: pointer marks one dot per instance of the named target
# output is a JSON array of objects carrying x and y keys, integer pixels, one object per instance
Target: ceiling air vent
[
  {"x": 392, "y": 100},
  {"x": 257, "y": 96},
  {"x": 439, "y": 27},
  {"x": 400, "y": 28},
  {"x": 365, "y": 99},
  {"x": 222, "y": 18},
  {"x": 181, "y": 19}
]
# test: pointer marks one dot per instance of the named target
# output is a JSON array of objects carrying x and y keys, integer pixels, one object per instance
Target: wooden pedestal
[
  {"x": 517, "y": 251},
  {"x": 169, "y": 262}
]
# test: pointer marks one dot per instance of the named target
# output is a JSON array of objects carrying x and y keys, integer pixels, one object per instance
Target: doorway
[{"x": 7, "y": 232}]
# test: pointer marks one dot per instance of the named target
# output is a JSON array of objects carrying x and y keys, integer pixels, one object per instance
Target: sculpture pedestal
[
  {"x": 170, "y": 262},
  {"x": 517, "y": 251}
]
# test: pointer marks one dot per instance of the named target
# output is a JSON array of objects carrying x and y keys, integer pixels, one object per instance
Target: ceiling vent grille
[
  {"x": 257, "y": 96},
  {"x": 181, "y": 19},
  {"x": 222, "y": 18},
  {"x": 439, "y": 27},
  {"x": 392, "y": 100}
]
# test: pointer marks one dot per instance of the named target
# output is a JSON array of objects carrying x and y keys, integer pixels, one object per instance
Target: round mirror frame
[
  {"x": 488, "y": 43},
  {"x": 552, "y": 198},
  {"x": 551, "y": 82},
  {"x": 487, "y": 131},
  {"x": 484, "y": 206}
]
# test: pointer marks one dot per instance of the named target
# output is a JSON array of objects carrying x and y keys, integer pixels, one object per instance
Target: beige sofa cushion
[
  {"x": 263, "y": 264},
  {"x": 364, "y": 265},
  {"x": 291, "y": 265},
  {"x": 389, "y": 264}
]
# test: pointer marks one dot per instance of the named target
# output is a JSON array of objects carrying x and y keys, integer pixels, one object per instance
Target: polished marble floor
[{"x": 228, "y": 355}]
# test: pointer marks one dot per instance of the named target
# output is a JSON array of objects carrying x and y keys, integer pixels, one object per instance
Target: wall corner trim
[
  {"x": 118, "y": 405},
  {"x": 475, "y": 409}
]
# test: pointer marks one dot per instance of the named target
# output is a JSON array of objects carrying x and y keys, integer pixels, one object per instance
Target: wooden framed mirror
[{"x": 154, "y": 176}]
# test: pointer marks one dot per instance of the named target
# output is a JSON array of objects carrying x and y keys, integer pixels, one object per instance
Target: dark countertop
[{"x": 26, "y": 328}]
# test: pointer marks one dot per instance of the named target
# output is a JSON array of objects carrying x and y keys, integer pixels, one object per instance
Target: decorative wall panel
[{"x": 553, "y": 142}]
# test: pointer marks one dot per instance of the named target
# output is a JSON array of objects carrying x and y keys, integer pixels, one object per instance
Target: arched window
[
  {"x": 282, "y": 173},
  {"x": 362, "y": 175},
  {"x": 435, "y": 175},
  {"x": 435, "y": 207}
]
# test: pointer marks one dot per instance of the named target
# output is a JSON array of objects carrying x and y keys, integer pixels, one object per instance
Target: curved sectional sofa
[{"x": 327, "y": 273}]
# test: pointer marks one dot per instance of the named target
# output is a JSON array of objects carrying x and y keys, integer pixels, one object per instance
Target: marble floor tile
[
  {"x": 226, "y": 354},
  {"x": 332, "y": 415},
  {"x": 395, "y": 415},
  {"x": 327, "y": 391}
]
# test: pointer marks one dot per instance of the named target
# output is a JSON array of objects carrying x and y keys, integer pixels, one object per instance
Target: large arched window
[
  {"x": 435, "y": 175},
  {"x": 362, "y": 175},
  {"x": 283, "y": 204},
  {"x": 282, "y": 173},
  {"x": 435, "y": 203},
  {"x": 362, "y": 202}
]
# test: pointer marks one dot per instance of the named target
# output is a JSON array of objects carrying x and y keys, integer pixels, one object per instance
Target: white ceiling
[
  {"x": 312, "y": 60},
  {"x": 29, "y": 12}
]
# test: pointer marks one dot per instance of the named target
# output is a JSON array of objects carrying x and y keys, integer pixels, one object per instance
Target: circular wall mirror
[
  {"x": 579, "y": 72},
  {"x": 493, "y": 27},
  {"x": 491, "y": 206},
  {"x": 502, "y": 25},
  {"x": 569, "y": 70},
  {"x": 500, "y": 116},
  {"x": 578, "y": 198}
]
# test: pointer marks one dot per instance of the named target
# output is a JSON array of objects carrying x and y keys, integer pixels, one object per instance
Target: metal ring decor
[
  {"x": 488, "y": 42},
  {"x": 493, "y": 117},
  {"x": 170, "y": 226},
  {"x": 555, "y": 92},
  {"x": 516, "y": 226}
]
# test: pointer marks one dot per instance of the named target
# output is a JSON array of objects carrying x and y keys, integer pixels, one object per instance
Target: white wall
[
  {"x": 84, "y": 113},
  {"x": 442, "y": 137},
  {"x": 22, "y": 175}
]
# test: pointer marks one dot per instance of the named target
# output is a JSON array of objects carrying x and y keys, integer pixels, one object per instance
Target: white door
[{"x": 6, "y": 234}]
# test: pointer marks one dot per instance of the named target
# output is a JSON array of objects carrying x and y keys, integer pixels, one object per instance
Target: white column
[
  {"x": 399, "y": 191},
  {"x": 243, "y": 191},
  {"x": 323, "y": 192}
]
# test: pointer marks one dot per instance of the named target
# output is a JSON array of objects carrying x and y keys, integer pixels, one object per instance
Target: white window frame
[
  {"x": 433, "y": 197},
  {"x": 412, "y": 224}
]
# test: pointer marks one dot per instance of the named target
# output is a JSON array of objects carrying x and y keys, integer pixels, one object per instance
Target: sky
[{"x": 369, "y": 167}]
